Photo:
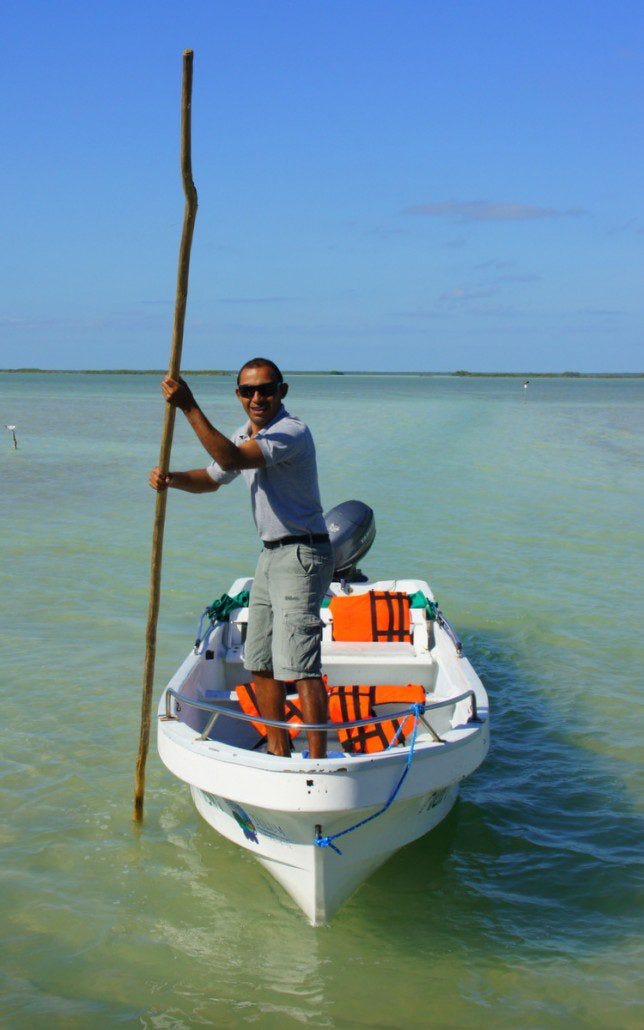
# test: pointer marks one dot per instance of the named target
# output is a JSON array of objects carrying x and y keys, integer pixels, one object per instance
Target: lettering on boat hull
[
  {"x": 433, "y": 800},
  {"x": 251, "y": 827}
]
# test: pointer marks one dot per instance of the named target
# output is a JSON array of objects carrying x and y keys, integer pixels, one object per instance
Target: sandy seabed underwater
[{"x": 522, "y": 510}]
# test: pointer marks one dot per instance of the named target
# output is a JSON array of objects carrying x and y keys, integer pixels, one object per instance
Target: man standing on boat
[{"x": 275, "y": 453}]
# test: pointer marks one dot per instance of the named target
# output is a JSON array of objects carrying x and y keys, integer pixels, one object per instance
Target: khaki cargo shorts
[{"x": 284, "y": 625}]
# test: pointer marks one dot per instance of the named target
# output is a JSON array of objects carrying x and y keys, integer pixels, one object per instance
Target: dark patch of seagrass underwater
[
  {"x": 539, "y": 856},
  {"x": 541, "y": 852}
]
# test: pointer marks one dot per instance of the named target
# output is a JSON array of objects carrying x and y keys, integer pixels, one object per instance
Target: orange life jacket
[
  {"x": 357, "y": 702},
  {"x": 248, "y": 703},
  {"x": 377, "y": 616}
]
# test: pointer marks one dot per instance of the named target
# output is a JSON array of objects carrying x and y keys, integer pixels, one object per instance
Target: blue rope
[
  {"x": 327, "y": 842},
  {"x": 398, "y": 733}
]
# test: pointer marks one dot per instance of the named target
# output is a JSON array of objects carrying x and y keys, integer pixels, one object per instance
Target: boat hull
[
  {"x": 319, "y": 879},
  {"x": 276, "y": 809}
]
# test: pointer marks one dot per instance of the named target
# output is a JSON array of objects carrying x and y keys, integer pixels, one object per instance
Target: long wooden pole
[{"x": 190, "y": 213}]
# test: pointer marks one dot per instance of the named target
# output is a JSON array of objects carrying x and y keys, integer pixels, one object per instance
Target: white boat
[{"x": 322, "y": 826}]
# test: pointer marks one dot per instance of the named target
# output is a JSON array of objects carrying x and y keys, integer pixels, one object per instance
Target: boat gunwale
[
  {"x": 181, "y": 735},
  {"x": 327, "y": 727},
  {"x": 177, "y": 747}
]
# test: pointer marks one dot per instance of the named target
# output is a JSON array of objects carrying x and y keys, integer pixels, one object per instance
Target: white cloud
[
  {"x": 464, "y": 294},
  {"x": 487, "y": 211},
  {"x": 256, "y": 300}
]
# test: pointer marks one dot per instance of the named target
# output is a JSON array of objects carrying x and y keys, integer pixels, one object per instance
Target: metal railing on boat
[
  {"x": 451, "y": 632},
  {"x": 326, "y": 727}
]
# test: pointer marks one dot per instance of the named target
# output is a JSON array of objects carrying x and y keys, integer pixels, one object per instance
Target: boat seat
[
  {"x": 364, "y": 651},
  {"x": 381, "y": 660},
  {"x": 344, "y": 661},
  {"x": 417, "y": 626},
  {"x": 392, "y": 659}
]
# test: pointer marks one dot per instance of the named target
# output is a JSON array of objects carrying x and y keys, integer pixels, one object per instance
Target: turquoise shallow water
[{"x": 522, "y": 909}]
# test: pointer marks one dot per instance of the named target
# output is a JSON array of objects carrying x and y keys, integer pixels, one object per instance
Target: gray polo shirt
[{"x": 284, "y": 494}]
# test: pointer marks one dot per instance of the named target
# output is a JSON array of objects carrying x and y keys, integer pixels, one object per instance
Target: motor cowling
[{"x": 352, "y": 530}]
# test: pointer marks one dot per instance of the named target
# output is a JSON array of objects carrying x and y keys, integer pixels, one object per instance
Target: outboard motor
[{"x": 352, "y": 530}]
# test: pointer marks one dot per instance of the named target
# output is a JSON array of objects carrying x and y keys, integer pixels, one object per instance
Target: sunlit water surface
[{"x": 521, "y": 509}]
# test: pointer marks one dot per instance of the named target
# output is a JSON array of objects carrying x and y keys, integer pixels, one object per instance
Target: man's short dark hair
[{"x": 258, "y": 363}]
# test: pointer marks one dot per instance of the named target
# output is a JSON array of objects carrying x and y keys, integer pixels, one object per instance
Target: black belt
[{"x": 309, "y": 538}]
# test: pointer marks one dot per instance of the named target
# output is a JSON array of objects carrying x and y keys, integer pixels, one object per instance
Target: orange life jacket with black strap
[
  {"x": 378, "y": 615},
  {"x": 357, "y": 702},
  {"x": 248, "y": 703}
]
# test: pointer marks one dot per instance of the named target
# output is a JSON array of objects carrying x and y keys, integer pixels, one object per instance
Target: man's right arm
[
  {"x": 196, "y": 481},
  {"x": 229, "y": 456}
]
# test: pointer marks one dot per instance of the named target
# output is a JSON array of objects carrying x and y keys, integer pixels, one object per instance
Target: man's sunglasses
[{"x": 263, "y": 389}]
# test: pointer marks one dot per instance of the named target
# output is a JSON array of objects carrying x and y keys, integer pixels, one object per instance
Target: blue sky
[{"x": 382, "y": 185}]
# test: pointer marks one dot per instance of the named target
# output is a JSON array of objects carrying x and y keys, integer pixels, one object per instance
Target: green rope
[
  {"x": 419, "y": 600},
  {"x": 219, "y": 610}
]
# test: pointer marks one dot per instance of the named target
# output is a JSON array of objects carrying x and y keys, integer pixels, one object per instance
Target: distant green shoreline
[{"x": 462, "y": 373}]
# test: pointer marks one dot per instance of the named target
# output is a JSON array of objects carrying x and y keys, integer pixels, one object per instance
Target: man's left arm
[{"x": 229, "y": 456}]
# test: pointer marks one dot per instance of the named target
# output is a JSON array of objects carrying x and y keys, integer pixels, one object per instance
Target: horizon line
[{"x": 460, "y": 373}]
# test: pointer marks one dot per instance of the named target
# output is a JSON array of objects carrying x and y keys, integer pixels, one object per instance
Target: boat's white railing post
[
  {"x": 209, "y": 725},
  {"x": 428, "y": 726},
  {"x": 168, "y": 717},
  {"x": 451, "y": 632},
  {"x": 474, "y": 716}
]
